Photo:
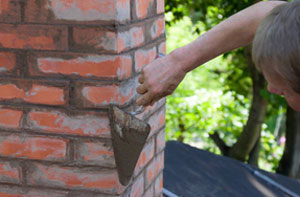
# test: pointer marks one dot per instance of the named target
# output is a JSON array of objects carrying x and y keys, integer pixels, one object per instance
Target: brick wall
[{"x": 62, "y": 62}]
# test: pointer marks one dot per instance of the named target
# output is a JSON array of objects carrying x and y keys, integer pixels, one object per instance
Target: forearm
[{"x": 234, "y": 32}]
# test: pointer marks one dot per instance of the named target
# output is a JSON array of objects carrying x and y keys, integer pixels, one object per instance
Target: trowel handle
[
  {"x": 141, "y": 109},
  {"x": 159, "y": 55}
]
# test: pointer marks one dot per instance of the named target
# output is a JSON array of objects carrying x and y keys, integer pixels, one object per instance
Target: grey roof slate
[{"x": 191, "y": 172}]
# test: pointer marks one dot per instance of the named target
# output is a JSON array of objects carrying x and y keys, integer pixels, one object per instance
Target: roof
[{"x": 193, "y": 172}]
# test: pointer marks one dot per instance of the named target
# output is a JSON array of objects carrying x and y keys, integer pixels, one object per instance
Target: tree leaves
[{"x": 203, "y": 117}]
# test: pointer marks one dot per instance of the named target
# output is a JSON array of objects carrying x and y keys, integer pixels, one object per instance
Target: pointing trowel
[{"x": 129, "y": 135}]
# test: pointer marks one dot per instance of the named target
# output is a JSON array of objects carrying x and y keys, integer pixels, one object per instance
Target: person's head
[{"x": 276, "y": 51}]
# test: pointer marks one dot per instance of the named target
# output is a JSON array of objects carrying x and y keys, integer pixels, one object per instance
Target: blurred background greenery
[{"x": 211, "y": 107}]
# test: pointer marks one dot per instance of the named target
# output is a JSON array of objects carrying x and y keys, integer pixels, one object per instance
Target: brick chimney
[{"x": 62, "y": 62}]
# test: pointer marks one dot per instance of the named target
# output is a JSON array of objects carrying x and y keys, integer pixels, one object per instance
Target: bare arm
[
  {"x": 161, "y": 77},
  {"x": 234, "y": 32}
]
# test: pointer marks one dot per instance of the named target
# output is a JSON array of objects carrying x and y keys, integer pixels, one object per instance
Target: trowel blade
[{"x": 129, "y": 136}]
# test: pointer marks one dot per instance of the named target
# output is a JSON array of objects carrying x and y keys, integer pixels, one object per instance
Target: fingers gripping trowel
[{"x": 129, "y": 136}]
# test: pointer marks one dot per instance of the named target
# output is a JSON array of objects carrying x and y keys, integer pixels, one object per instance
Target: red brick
[
  {"x": 9, "y": 173},
  {"x": 94, "y": 95},
  {"x": 157, "y": 121},
  {"x": 111, "y": 92},
  {"x": 132, "y": 38},
  {"x": 10, "y": 118},
  {"x": 7, "y": 62},
  {"x": 158, "y": 185},
  {"x": 94, "y": 39},
  {"x": 143, "y": 57},
  {"x": 160, "y": 141},
  {"x": 42, "y": 148},
  {"x": 157, "y": 27},
  {"x": 155, "y": 167},
  {"x": 145, "y": 156},
  {"x": 46, "y": 95},
  {"x": 59, "y": 122},
  {"x": 99, "y": 40},
  {"x": 137, "y": 34},
  {"x": 162, "y": 48},
  {"x": 101, "y": 95},
  {"x": 10, "y": 195},
  {"x": 151, "y": 109},
  {"x": 73, "y": 178},
  {"x": 10, "y": 191},
  {"x": 144, "y": 8},
  {"x": 73, "y": 64},
  {"x": 127, "y": 90},
  {"x": 123, "y": 10},
  {"x": 15, "y": 191},
  {"x": 45, "y": 193},
  {"x": 77, "y": 11},
  {"x": 160, "y": 6},
  {"x": 149, "y": 192},
  {"x": 37, "y": 93},
  {"x": 33, "y": 37},
  {"x": 10, "y": 11},
  {"x": 96, "y": 153},
  {"x": 137, "y": 189}
]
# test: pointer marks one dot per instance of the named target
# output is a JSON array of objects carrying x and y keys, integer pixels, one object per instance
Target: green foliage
[
  {"x": 216, "y": 96},
  {"x": 271, "y": 150},
  {"x": 210, "y": 11},
  {"x": 202, "y": 102}
]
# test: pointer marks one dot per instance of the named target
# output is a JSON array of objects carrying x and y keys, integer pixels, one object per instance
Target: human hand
[{"x": 159, "y": 79}]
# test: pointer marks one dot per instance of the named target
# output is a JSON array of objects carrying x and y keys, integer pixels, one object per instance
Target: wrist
[
  {"x": 176, "y": 62},
  {"x": 179, "y": 58}
]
